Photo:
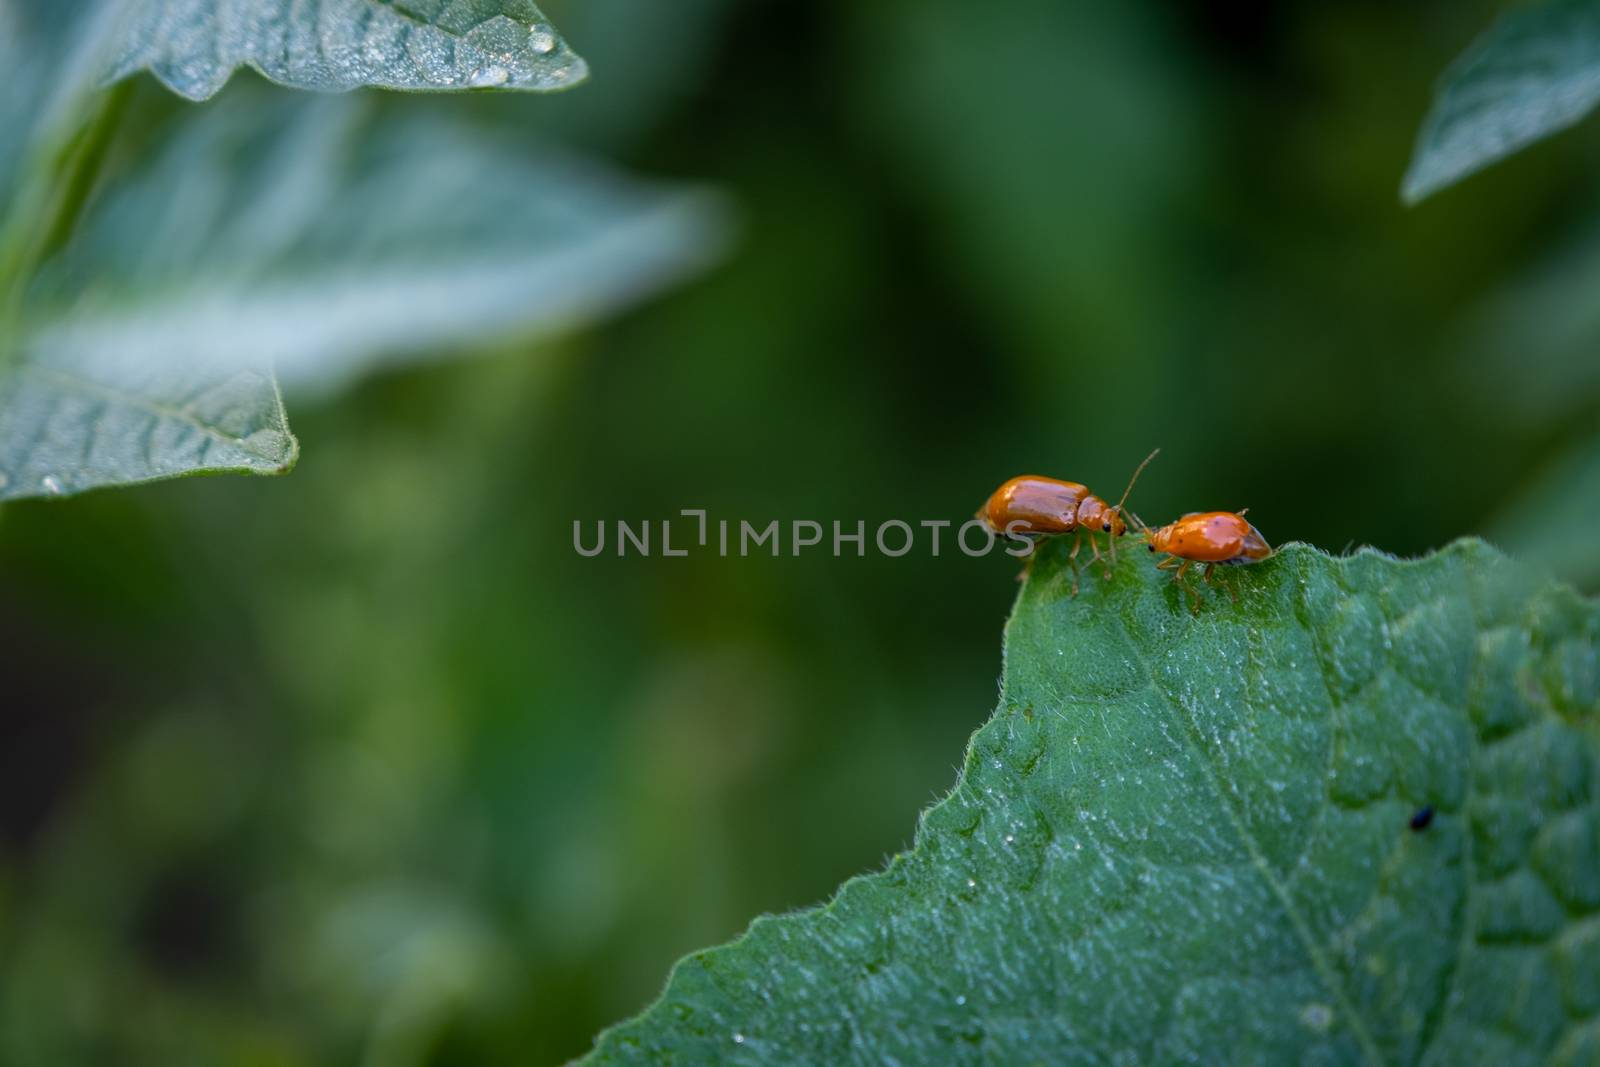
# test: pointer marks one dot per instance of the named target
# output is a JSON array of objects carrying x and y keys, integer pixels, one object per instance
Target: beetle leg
[
  {"x": 1167, "y": 564},
  {"x": 1233, "y": 594},
  {"x": 1178, "y": 576},
  {"x": 1094, "y": 548},
  {"x": 1099, "y": 557},
  {"x": 1072, "y": 558},
  {"x": 1210, "y": 581},
  {"x": 1027, "y": 561}
]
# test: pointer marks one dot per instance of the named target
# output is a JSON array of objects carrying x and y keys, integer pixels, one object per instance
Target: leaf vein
[
  {"x": 1258, "y": 859},
  {"x": 141, "y": 402}
]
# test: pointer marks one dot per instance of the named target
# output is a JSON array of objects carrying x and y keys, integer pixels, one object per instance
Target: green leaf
[
  {"x": 1534, "y": 73},
  {"x": 1187, "y": 838},
  {"x": 64, "y": 429},
  {"x": 193, "y": 46},
  {"x": 319, "y": 237}
]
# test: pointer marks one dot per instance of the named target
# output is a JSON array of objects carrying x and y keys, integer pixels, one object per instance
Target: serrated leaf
[
  {"x": 193, "y": 46},
  {"x": 1534, "y": 73},
  {"x": 1188, "y": 838},
  {"x": 319, "y": 236}
]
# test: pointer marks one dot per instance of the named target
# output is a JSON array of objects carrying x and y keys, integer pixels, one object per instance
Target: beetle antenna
[{"x": 1137, "y": 471}]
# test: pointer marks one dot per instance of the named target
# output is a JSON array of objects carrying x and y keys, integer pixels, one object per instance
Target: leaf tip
[
  {"x": 290, "y": 455},
  {"x": 1415, "y": 188}
]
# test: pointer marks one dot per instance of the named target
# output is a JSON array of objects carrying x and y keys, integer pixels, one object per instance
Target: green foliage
[
  {"x": 247, "y": 247},
  {"x": 303, "y": 240},
  {"x": 365, "y": 765},
  {"x": 74, "y": 424},
  {"x": 193, "y": 46},
  {"x": 1189, "y": 839},
  {"x": 1534, "y": 73}
]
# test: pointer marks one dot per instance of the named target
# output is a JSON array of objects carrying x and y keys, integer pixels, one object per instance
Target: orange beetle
[
  {"x": 1209, "y": 537},
  {"x": 1033, "y": 506}
]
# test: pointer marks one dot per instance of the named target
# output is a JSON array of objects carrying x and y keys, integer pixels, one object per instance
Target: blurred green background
[{"x": 366, "y": 765}]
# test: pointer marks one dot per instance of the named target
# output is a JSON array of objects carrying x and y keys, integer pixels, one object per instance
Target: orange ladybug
[
  {"x": 1033, "y": 506},
  {"x": 1209, "y": 537}
]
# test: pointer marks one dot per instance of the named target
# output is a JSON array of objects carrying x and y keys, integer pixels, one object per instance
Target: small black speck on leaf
[{"x": 1423, "y": 818}]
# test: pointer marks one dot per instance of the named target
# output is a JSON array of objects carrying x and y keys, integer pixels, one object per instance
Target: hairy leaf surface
[{"x": 1189, "y": 838}]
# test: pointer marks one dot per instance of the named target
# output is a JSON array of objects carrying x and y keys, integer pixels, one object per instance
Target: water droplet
[
  {"x": 972, "y": 883},
  {"x": 962, "y": 999},
  {"x": 52, "y": 485},
  {"x": 738, "y": 1039},
  {"x": 489, "y": 77},
  {"x": 1009, "y": 839},
  {"x": 542, "y": 41}
]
